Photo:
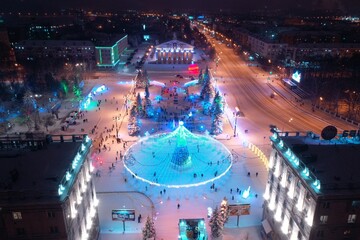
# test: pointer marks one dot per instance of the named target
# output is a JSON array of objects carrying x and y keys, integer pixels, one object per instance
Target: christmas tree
[
  {"x": 217, "y": 114},
  {"x": 206, "y": 75},
  {"x": 216, "y": 223},
  {"x": 148, "y": 108},
  {"x": 139, "y": 107},
  {"x": 133, "y": 124},
  {"x": 149, "y": 229},
  {"x": 147, "y": 93},
  {"x": 224, "y": 209},
  {"x": 142, "y": 79},
  {"x": 206, "y": 92},
  {"x": 200, "y": 82}
]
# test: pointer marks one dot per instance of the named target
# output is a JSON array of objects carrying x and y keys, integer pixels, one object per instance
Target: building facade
[
  {"x": 174, "y": 52},
  {"x": 70, "y": 50},
  {"x": 108, "y": 53},
  {"x": 313, "y": 190},
  {"x": 47, "y": 191}
]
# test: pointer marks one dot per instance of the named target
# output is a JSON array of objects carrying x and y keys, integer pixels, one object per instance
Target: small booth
[{"x": 192, "y": 229}]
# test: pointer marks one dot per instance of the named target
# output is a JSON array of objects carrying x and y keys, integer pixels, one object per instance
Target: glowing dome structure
[{"x": 178, "y": 159}]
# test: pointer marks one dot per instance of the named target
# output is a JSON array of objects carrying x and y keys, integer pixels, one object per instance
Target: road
[{"x": 248, "y": 89}]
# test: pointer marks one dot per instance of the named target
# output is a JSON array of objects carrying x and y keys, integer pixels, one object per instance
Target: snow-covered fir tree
[
  {"x": 147, "y": 93},
  {"x": 139, "y": 106},
  {"x": 133, "y": 124},
  {"x": 148, "y": 108},
  {"x": 206, "y": 75},
  {"x": 217, "y": 105},
  {"x": 224, "y": 209},
  {"x": 200, "y": 82},
  {"x": 207, "y": 90},
  {"x": 217, "y": 115},
  {"x": 216, "y": 223},
  {"x": 149, "y": 229}
]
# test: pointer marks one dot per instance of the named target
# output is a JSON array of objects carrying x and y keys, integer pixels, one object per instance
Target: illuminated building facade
[
  {"x": 108, "y": 52},
  {"x": 313, "y": 189},
  {"x": 174, "y": 52},
  {"x": 70, "y": 50},
  {"x": 47, "y": 191}
]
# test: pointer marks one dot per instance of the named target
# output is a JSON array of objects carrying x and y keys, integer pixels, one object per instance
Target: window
[
  {"x": 352, "y": 218},
  {"x": 289, "y": 177},
  {"x": 51, "y": 214},
  {"x": 53, "y": 229},
  {"x": 17, "y": 215},
  {"x": 326, "y": 204},
  {"x": 20, "y": 231},
  {"x": 323, "y": 219}
]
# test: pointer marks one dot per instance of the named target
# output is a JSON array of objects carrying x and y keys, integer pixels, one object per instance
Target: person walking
[
  {"x": 139, "y": 218},
  {"x": 178, "y": 206}
]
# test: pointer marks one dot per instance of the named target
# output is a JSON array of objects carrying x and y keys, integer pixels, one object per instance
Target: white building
[
  {"x": 313, "y": 189},
  {"x": 174, "y": 52}
]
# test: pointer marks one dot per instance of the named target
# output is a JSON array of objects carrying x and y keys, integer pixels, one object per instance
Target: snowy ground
[
  {"x": 123, "y": 191},
  {"x": 116, "y": 189}
]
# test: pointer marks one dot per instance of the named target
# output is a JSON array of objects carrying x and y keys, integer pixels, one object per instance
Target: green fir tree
[
  {"x": 149, "y": 231},
  {"x": 224, "y": 209},
  {"x": 216, "y": 223}
]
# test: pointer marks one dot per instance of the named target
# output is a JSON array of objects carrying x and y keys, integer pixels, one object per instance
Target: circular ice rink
[{"x": 178, "y": 159}]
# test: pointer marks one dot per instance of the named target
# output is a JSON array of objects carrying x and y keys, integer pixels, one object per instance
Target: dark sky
[{"x": 212, "y": 5}]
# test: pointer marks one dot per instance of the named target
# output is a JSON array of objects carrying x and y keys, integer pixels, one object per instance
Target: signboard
[
  {"x": 123, "y": 215},
  {"x": 239, "y": 209}
]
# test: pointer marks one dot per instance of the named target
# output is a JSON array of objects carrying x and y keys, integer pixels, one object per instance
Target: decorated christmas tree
[
  {"x": 216, "y": 223},
  {"x": 142, "y": 79},
  {"x": 224, "y": 209},
  {"x": 133, "y": 124},
  {"x": 149, "y": 229}
]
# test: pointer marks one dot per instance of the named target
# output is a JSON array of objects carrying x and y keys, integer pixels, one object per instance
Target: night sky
[{"x": 204, "y": 5}]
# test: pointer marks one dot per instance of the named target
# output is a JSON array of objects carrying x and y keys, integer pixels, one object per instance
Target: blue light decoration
[
  {"x": 306, "y": 171},
  {"x": 61, "y": 189},
  {"x": 246, "y": 193},
  {"x": 281, "y": 144},
  {"x": 296, "y": 76},
  {"x": 67, "y": 176},
  {"x": 76, "y": 161},
  {"x": 317, "y": 184},
  {"x": 99, "y": 89},
  {"x": 288, "y": 152}
]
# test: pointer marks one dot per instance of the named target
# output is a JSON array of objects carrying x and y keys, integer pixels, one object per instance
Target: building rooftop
[
  {"x": 334, "y": 163},
  {"x": 34, "y": 174},
  {"x": 107, "y": 40},
  {"x": 55, "y": 43}
]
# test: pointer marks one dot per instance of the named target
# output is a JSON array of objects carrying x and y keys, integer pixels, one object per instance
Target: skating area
[{"x": 170, "y": 169}]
